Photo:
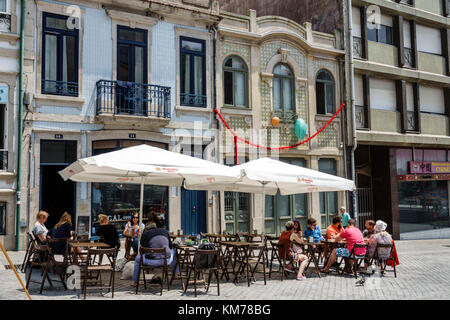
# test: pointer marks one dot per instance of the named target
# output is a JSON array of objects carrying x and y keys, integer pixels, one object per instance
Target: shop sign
[
  {"x": 422, "y": 177},
  {"x": 417, "y": 167}
]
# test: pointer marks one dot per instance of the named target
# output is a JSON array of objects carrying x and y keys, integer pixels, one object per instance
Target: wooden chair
[
  {"x": 28, "y": 254},
  {"x": 164, "y": 268},
  {"x": 211, "y": 266},
  {"x": 267, "y": 247},
  {"x": 275, "y": 256},
  {"x": 42, "y": 256},
  {"x": 260, "y": 260},
  {"x": 357, "y": 260},
  {"x": 92, "y": 267},
  {"x": 382, "y": 259}
]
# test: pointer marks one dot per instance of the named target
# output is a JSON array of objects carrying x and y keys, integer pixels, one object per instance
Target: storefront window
[
  {"x": 423, "y": 206},
  {"x": 120, "y": 201}
]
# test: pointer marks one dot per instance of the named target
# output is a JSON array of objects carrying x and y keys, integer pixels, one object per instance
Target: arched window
[
  {"x": 325, "y": 93},
  {"x": 235, "y": 82},
  {"x": 283, "y": 88}
]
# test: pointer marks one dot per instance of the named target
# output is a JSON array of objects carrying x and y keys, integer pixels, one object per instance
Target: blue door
[{"x": 193, "y": 211}]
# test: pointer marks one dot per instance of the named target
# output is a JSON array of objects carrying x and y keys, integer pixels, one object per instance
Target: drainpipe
[
  {"x": 217, "y": 142},
  {"x": 19, "y": 136},
  {"x": 350, "y": 97}
]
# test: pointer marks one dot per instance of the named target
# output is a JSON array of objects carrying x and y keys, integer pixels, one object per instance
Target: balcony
[
  {"x": 357, "y": 47},
  {"x": 124, "y": 101},
  {"x": 5, "y": 22},
  {"x": 3, "y": 160},
  {"x": 193, "y": 100}
]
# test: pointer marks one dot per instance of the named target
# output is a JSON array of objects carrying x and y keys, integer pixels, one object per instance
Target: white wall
[
  {"x": 432, "y": 99},
  {"x": 429, "y": 39},
  {"x": 382, "y": 94}
]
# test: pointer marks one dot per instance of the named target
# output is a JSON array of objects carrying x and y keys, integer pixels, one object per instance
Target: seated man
[
  {"x": 353, "y": 236},
  {"x": 154, "y": 237},
  {"x": 369, "y": 231},
  {"x": 313, "y": 230},
  {"x": 335, "y": 228}
]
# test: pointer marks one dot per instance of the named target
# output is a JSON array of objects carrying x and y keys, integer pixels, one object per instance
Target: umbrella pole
[{"x": 141, "y": 207}]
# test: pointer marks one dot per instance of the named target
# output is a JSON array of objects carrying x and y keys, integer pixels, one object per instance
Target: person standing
[{"x": 345, "y": 217}]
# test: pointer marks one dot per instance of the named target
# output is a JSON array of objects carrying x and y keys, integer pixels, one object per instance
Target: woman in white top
[
  {"x": 39, "y": 229},
  {"x": 132, "y": 230}
]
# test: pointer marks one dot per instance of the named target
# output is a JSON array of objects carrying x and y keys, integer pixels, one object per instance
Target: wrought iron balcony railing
[
  {"x": 192, "y": 100},
  {"x": 62, "y": 88},
  {"x": 3, "y": 160},
  {"x": 130, "y": 98}
]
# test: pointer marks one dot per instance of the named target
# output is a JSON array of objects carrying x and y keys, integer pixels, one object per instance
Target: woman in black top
[{"x": 107, "y": 232}]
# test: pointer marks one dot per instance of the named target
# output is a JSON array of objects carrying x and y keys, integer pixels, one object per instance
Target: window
[
  {"x": 280, "y": 209},
  {"x": 3, "y": 148},
  {"x": 325, "y": 93},
  {"x": 60, "y": 56},
  {"x": 193, "y": 72},
  {"x": 2, "y": 218},
  {"x": 235, "y": 79},
  {"x": 383, "y": 34},
  {"x": 283, "y": 88},
  {"x": 4, "y": 6},
  {"x": 328, "y": 200}
]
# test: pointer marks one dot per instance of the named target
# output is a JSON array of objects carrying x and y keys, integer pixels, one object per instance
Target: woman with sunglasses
[{"x": 132, "y": 230}]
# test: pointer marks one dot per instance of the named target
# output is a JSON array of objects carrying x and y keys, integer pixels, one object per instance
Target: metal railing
[
  {"x": 365, "y": 206},
  {"x": 62, "y": 88},
  {"x": 193, "y": 100},
  {"x": 130, "y": 98},
  {"x": 3, "y": 160}
]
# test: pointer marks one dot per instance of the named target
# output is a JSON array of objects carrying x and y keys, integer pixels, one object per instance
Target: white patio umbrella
[
  {"x": 268, "y": 176},
  {"x": 150, "y": 165}
]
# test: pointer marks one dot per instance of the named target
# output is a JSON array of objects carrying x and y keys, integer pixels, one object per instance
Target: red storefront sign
[
  {"x": 422, "y": 177},
  {"x": 417, "y": 167}
]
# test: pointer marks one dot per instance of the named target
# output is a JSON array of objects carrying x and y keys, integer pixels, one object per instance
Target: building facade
[
  {"x": 402, "y": 108},
  {"x": 271, "y": 66},
  {"x": 9, "y": 71},
  {"x": 107, "y": 75}
]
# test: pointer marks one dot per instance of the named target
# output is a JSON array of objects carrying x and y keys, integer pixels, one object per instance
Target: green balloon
[{"x": 300, "y": 128}]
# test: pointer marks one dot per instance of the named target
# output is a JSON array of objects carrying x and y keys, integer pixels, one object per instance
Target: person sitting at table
[
  {"x": 353, "y": 235},
  {"x": 380, "y": 236},
  {"x": 61, "y": 230},
  {"x": 107, "y": 232},
  {"x": 335, "y": 228},
  {"x": 313, "y": 230},
  {"x": 132, "y": 229},
  {"x": 154, "y": 237},
  {"x": 153, "y": 217},
  {"x": 369, "y": 231},
  {"x": 40, "y": 231},
  {"x": 297, "y": 228},
  {"x": 296, "y": 253}
]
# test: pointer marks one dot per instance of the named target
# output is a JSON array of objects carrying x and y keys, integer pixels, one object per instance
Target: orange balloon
[{"x": 275, "y": 121}]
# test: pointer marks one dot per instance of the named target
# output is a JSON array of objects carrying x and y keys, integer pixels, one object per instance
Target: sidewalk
[{"x": 423, "y": 273}]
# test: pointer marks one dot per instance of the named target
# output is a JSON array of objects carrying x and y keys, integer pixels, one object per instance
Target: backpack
[{"x": 206, "y": 261}]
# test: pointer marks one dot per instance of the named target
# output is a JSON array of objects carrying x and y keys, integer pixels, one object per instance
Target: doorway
[
  {"x": 56, "y": 195},
  {"x": 193, "y": 211},
  {"x": 237, "y": 212}
]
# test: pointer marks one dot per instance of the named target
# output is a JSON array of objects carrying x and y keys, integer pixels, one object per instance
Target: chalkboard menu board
[{"x": 83, "y": 225}]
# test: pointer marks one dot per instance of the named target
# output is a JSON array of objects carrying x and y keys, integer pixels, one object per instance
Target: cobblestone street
[{"x": 423, "y": 273}]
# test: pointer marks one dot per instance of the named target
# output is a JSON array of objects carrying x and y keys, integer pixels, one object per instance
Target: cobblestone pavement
[{"x": 423, "y": 273}]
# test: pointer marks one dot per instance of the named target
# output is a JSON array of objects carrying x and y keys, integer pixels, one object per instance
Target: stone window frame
[
  {"x": 60, "y": 10},
  {"x": 334, "y": 90},
  {"x": 247, "y": 81},
  {"x": 11, "y": 11}
]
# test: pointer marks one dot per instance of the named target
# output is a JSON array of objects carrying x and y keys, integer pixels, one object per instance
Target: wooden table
[
  {"x": 85, "y": 244},
  {"x": 237, "y": 251}
]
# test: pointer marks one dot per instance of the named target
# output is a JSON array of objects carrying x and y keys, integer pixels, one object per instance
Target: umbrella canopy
[
  {"x": 150, "y": 165},
  {"x": 269, "y": 176}
]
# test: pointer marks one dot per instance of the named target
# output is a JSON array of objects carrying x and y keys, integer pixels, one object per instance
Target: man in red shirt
[{"x": 353, "y": 235}]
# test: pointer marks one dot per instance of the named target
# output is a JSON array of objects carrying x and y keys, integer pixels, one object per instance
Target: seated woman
[
  {"x": 292, "y": 242},
  {"x": 380, "y": 236},
  {"x": 154, "y": 237},
  {"x": 153, "y": 217},
  {"x": 107, "y": 232},
  {"x": 62, "y": 230},
  {"x": 40, "y": 231},
  {"x": 132, "y": 229}
]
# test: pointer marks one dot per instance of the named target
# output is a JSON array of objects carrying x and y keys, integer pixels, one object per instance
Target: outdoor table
[
  {"x": 213, "y": 237},
  {"x": 331, "y": 245},
  {"x": 311, "y": 251},
  {"x": 85, "y": 244},
  {"x": 184, "y": 254}
]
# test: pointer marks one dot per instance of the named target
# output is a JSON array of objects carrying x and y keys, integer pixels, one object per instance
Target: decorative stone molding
[
  {"x": 243, "y": 51},
  {"x": 270, "y": 56},
  {"x": 284, "y": 53}
]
